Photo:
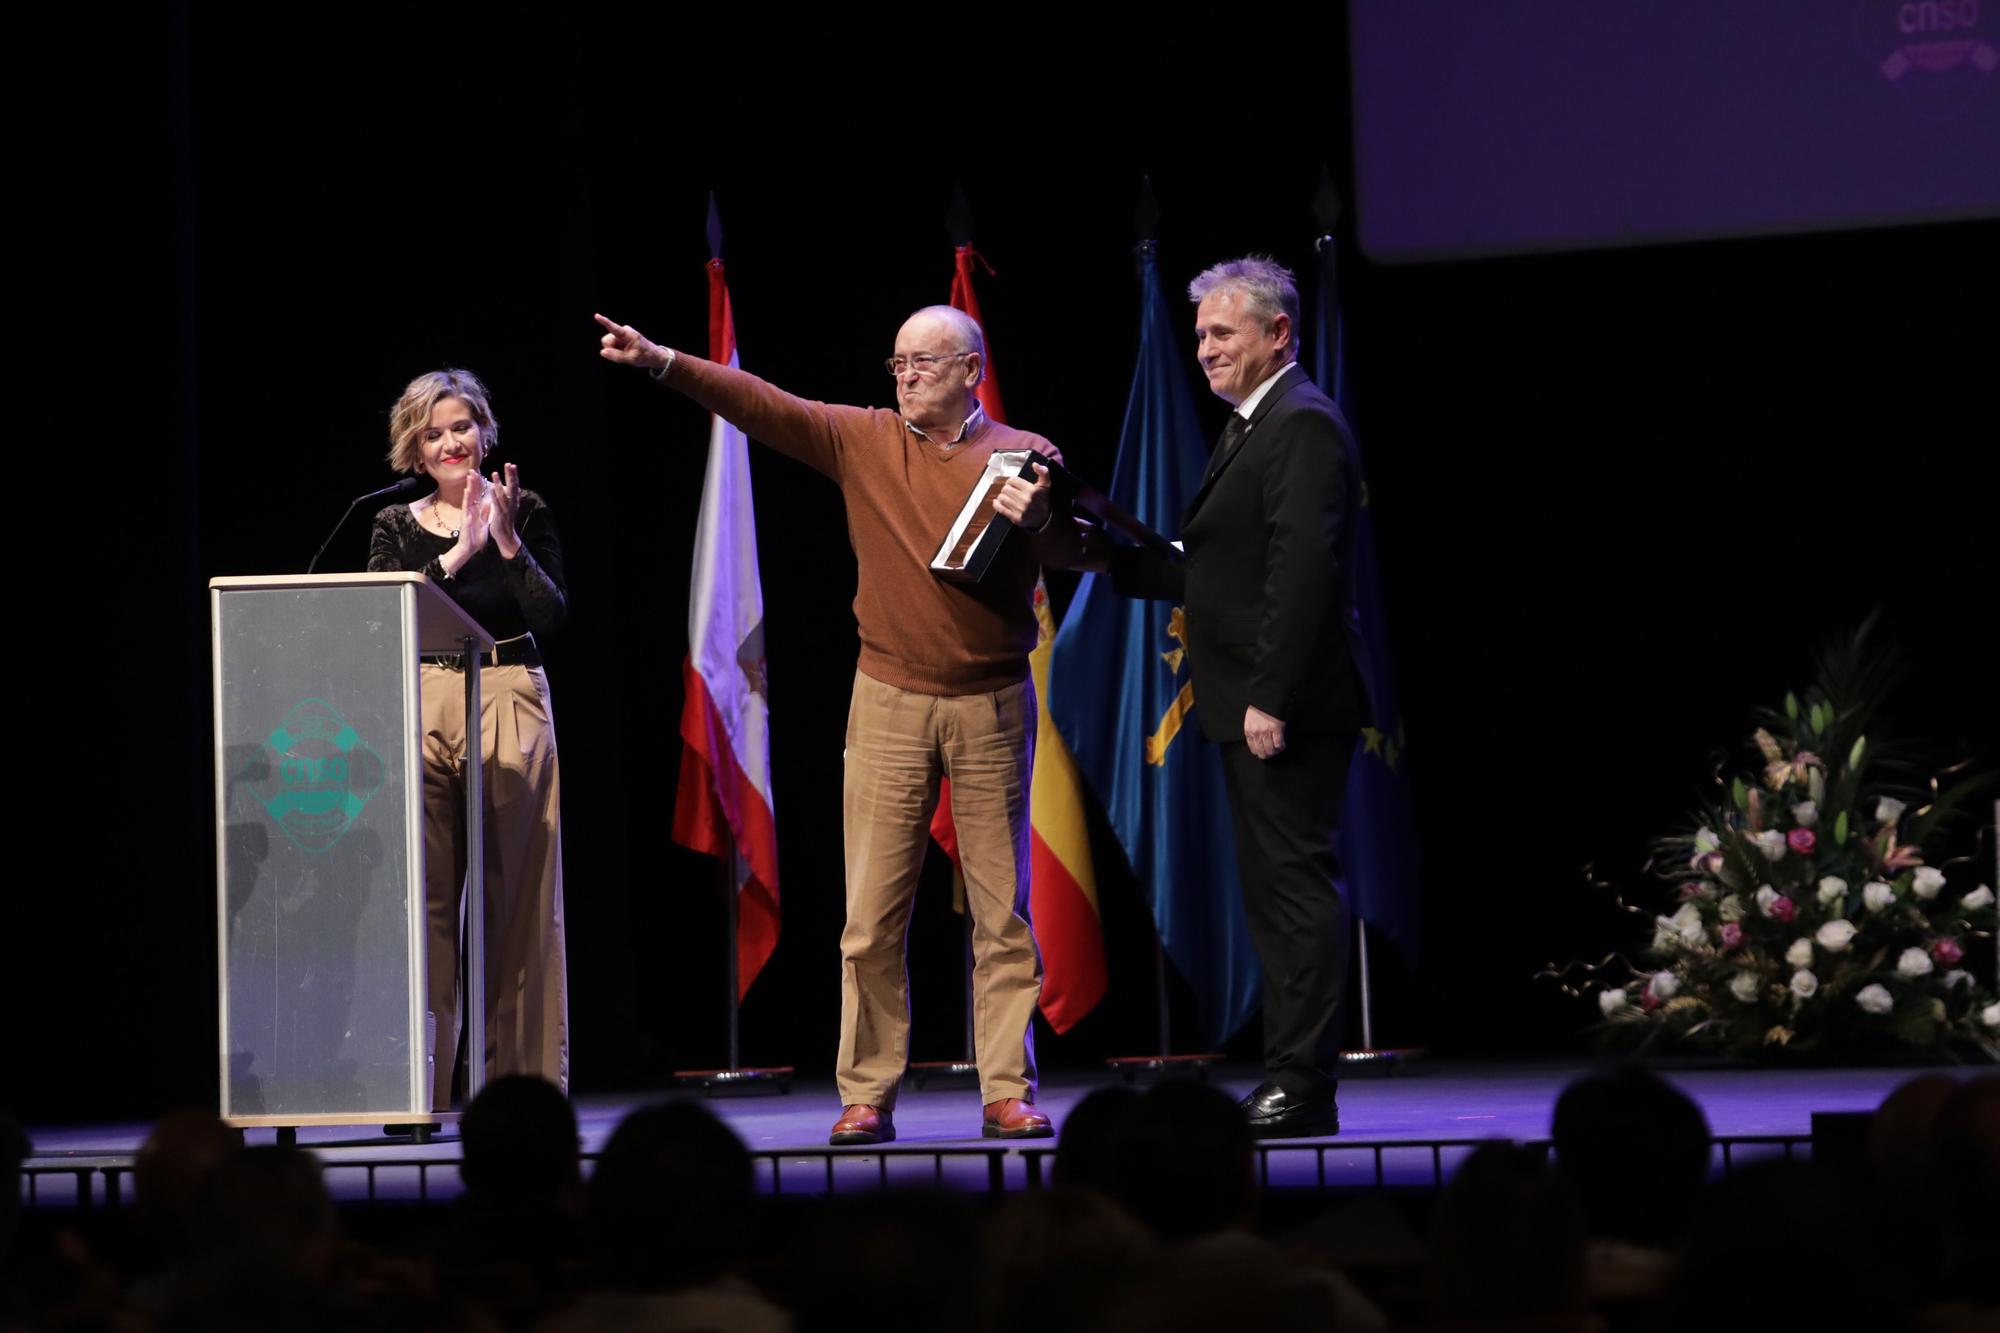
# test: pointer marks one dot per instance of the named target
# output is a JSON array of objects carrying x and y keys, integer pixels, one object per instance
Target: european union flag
[
  {"x": 1378, "y": 836},
  {"x": 1120, "y": 694}
]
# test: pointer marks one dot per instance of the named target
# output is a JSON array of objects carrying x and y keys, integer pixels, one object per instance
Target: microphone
[{"x": 403, "y": 487}]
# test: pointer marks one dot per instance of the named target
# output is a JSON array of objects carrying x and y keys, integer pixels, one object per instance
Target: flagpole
[
  {"x": 1146, "y": 222},
  {"x": 1367, "y": 1007},
  {"x": 1326, "y": 215},
  {"x": 719, "y": 834},
  {"x": 732, "y": 870},
  {"x": 735, "y": 1079},
  {"x": 958, "y": 223}
]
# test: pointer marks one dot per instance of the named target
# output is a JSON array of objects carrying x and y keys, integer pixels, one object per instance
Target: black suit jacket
[{"x": 1268, "y": 540}]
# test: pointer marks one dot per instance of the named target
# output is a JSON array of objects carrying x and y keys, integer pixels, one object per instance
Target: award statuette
[{"x": 977, "y": 533}]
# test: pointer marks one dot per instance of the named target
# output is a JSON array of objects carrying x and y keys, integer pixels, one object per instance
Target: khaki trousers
[
  {"x": 527, "y": 994},
  {"x": 899, "y": 744}
]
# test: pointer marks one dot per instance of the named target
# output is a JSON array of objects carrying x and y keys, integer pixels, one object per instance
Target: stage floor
[{"x": 1429, "y": 1108}]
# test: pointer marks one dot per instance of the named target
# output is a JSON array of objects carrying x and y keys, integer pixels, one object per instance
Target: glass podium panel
[{"x": 319, "y": 809}]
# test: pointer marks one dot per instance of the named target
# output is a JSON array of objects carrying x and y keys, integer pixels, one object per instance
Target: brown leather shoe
[
  {"x": 862, "y": 1124},
  {"x": 1012, "y": 1118}
]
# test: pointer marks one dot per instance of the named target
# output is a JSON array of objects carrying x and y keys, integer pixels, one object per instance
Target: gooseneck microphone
[{"x": 403, "y": 487}]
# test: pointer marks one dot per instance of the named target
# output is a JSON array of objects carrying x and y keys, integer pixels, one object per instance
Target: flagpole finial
[
  {"x": 714, "y": 228},
  {"x": 1146, "y": 216},
  {"x": 958, "y": 218},
  {"x": 1326, "y": 204}
]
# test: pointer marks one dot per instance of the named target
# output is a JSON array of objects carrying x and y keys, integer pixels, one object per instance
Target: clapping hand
[
  {"x": 473, "y": 526},
  {"x": 503, "y": 505}
]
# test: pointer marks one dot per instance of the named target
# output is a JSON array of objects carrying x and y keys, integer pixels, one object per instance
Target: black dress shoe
[{"x": 1276, "y": 1113}]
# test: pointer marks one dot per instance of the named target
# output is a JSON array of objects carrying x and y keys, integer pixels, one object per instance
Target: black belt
[{"x": 517, "y": 651}]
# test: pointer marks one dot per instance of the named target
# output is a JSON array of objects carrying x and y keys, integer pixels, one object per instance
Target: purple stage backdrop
[{"x": 1543, "y": 124}]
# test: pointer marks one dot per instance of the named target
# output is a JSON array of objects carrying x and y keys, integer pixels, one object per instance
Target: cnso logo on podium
[{"x": 317, "y": 775}]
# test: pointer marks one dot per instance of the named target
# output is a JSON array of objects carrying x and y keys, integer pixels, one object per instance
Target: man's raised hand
[{"x": 628, "y": 347}]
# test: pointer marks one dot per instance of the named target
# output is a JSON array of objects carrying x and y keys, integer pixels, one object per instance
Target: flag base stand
[
  {"x": 1130, "y": 1067},
  {"x": 770, "y": 1081},
  {"x": 1383, "y": 1061},
  {"x": 951, "y": 1073},
  {"x": 735, "y": 1080},
  {"x": 1369, "y": 1058}
]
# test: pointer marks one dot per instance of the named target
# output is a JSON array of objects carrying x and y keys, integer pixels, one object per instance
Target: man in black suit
[{"x": 1268, "y": 538}]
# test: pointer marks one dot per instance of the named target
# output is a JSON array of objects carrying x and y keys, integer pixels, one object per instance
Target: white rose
[
  {"x": 1877, "y": 895},
  {"x": 1832, "y": 889},
  {"x": 1957, "y": 977},
  {"x": 1611, "y": 1001},
  {"x": 1804, "y": 984},
  {"x": 1978, "y": 898},
  {"x": 1665, "y": 985},
  {"x": 1806, "y": 813},
  {"x": 1665, "y": 934},
  {"x": 1927, "y": 883},
  {"x": 1800, "y": 954},
  {"x": 1835, "y": 936},
  {"x": 1730, "y": 908},
  {"x": 1688, "y": 922},
  {"x": 1914, "y": 963},
  {"x": 1875, "y": 999},
  {"x": 1765, "y": 897},
  {"x": 1705, "y": 842},
  {"x": 1990, "y": 1015},
  {"x": 1771, "y": 843},
  {"x": 1888, "y": 810},
  {"x": 1744, "y": 986}
]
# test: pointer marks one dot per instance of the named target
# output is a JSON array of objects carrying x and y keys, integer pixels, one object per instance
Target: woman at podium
[{"x": 492, "y": 547}]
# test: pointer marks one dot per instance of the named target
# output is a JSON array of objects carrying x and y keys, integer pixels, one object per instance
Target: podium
[{"x": 319, "y": 821}]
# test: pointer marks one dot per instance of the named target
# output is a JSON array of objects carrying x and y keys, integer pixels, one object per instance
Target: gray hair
[
  {"x": 1261, "y": 283},
  {"x": 971, "y": 338}
]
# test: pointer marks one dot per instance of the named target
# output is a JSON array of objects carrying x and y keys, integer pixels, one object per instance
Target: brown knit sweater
[{"x": 918, "y": 632}]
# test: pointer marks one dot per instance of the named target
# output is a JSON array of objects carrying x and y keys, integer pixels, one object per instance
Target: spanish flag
[{"x": 1062, "y": 888}]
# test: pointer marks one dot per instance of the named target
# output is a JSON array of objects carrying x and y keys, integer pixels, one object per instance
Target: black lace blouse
[{"x": 507, "y": 597}]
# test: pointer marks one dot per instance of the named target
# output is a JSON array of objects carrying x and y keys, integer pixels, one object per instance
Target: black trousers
[{"x": 1286, "y": 811}]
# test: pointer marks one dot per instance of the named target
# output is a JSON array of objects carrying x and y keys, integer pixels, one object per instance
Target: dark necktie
[{"x": 1232, "y": 437}]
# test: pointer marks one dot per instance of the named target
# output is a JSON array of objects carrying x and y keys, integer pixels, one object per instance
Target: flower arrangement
[{"x": 1804, "y": 909}]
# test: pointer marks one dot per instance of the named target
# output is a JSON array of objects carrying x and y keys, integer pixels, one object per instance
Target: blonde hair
[{"x": 411, "y": 415}]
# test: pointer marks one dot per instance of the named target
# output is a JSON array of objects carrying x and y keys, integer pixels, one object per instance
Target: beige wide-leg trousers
[
  {"x": 527, "y": 994},
  {"x": 899, "y": 744}
]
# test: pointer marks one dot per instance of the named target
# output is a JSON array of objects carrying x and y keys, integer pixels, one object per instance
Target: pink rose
[
  {"x": 1947, "y": 953},
  {"x": 1695, "y": 889},
  {"x": 1649, "y": 1001},
  {"x": 1783, "y": 909},
  {"x": 1732, "y": 935},
  {"x": 1802, "y": 841}
]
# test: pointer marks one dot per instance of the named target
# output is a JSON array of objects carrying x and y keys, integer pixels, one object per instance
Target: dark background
[{"x": 1621, "y": 495}]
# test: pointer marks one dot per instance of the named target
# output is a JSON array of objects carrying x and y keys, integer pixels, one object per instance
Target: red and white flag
[{"x": 724, "y": 805}]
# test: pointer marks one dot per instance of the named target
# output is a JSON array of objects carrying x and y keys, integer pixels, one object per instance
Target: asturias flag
[{"x": 1120, "y": 694}]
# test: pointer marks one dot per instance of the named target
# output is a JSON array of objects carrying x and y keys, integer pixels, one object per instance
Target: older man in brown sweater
[{"x": 941, "y": 690}]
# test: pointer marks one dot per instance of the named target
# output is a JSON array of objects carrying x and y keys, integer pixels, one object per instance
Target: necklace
[{"x": 437, "y": 507}]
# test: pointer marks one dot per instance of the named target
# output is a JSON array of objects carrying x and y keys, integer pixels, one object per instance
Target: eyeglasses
[{"x": 926, "y": 364}]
